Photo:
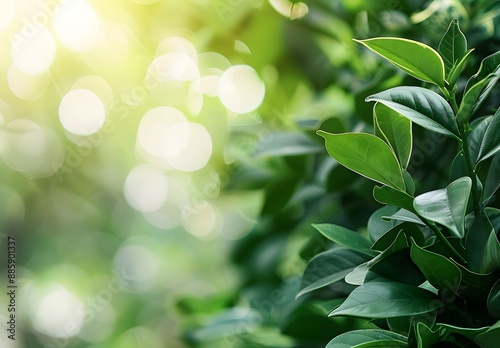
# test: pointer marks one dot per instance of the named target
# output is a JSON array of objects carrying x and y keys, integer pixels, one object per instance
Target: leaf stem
[{"x": 445, "y": 241}]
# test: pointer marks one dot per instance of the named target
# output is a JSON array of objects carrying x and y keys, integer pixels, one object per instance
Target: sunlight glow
[
  {"x": 240, "y": 89},
  {"x": 25, "y": 86},
  {"x": 7, "y": 13},
  {"x": 196, "y": 152},
  {"x": 81, "y": 112},
  {"x": 138, "y": 266},
  {"x": 77, "y": 26},
  {"x": 174, "y": 66},
  {"x": 292, "y": 10},
  {"x": 199, "y": 218}
]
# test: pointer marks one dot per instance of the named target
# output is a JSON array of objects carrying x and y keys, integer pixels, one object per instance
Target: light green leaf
[
  {"x": 422, "y": 106},
  {"x": 387, "y": 300},
  {"x": 360, "y": 338},
  {"x": 366, "y": 155},
  {"x": 329, "y": 267},
  {"x": 415, "y": 58},
  {"x": 453, "y": 46},
  {"x": 446, "y": 206},
  {"x": 404, "y": 215},
  {"x": 396, "y": 130},
  {"x": 494, "y": 300},
  {"x": 491, "y": 140},
  {"x": 346, "y": 238},
  {"x": 439, "y": 271},
  {"x": 388, "y": 195}
]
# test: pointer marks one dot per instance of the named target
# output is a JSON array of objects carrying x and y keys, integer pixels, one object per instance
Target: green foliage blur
[{"x": 118, "y": 246}]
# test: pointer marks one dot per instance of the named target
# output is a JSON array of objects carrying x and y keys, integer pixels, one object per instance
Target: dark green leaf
[
  {"x": 494, "y": 300},
  {"x": 408, "y": 229},
  {"x": 388, "y": 195},
  {"x": 476, "y": 241},
  {"x": 427, "y": 337},
  {"x": 476, "y": 138},
  {"x": 490, "y": 337},
  {"x": 474, "y": 97},
  {"x": 446, "y": 206},
  {"x": 488, "y": 65},
  {"x": 328, "y": 268},
  {"x": 414, "y": 58},
  {"x": 366, "y": 155},
  {"x": 422, "y": 106},
  {"x": 493, "y": 178},
  {"x": 453, "y": 46},
  {"x": 387, "y": 300},
  {"x": 345, "y": 237},
  {"x": 439, "y": 271},
  {"x": 491, "y": 140},
  {"x": 378, "y": 226},
  {"x": 358, "y": 338},
  {"x": 396, "y": 130}
]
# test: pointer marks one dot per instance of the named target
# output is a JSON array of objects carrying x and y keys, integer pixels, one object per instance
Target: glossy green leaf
[
  {"x": 494, "y": 300},
  {"x": 439, "y": 271},
  {"x": 396, "y": 130},
  {"x": 329, "y": 267},
  {"x": 368, "y": 338},
  {"x": 404, "y": 215},
  {"x": 491, "y": 139},
  {"x": 346, "y": 238},
  {"x": 453, "y": 46},
  {"x": 475, "y": 96},
  {"x": 492, "y": 179},
  {"x": 414, "y": 58},
  {"x": 398, "y": 267},
  {"x": 488, "y": 65},
  {"x": 475, "y": 286},
  {"x": 366, "y": 155},
  {"x": 490, "y": 337},
  {"x": 407, "y": 228},
  {"x": 476, "y": 137},
  {"x": 427, "y": 337},
  {"x": 491, "y": 258},
  {"x": 476, "y": 241},
  {"x": 387, "y": 195},
  {"x": 446, "y": 206},
  {"x": 422, "y": 106},
  {"x": 377, "y": 226},
  {"x": 459, "y": 167},
  {"x": 387, "y": 300},
  {"x": 410, "y": 184}
]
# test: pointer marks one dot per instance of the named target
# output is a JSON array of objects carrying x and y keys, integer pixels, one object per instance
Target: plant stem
[
  {"x": 471, "y": 169},
  {"x": 443, "y": 239}
]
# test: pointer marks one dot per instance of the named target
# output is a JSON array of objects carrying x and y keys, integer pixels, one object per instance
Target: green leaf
[
  {"x": 453, "y": 46},
  {"x": 388, "y": 195},
  {"x": 368, "y": 338},
  {"x": 345, "y": 237},
  {"x": 455, "y": 72},
  {"x": 414, "y": 58},
  {"x": 329, "y": 267},
  {"x": 488, "y": 65},
  {"x": 410, "y": 184},
  {"x": 387, "y": 300},
  {"x": 490, "y": 337},
  {"x": 476, "y": 241},
  {"x": 287, "y": 144},
  {"x": 494, "y": 300},
  {"x": 404, "y": 215},
  {"x": 396, "y": 130},
  {"x": 476, "y": 137},
  {"x": 377, "y": 226},
  {"x": 491, "y": 259},
  {"x": 439, "y": 271},
  {"x": 446, "y": 206},
  {"x": 493, "y": 178},
  {"x": 422, "y": 106},
  {"x": 427, "y": 337},
  {"x": 475, "y": 96},
  {"x": 475, "y": 286},
  {"x": 366, "y": 155},
  {"x": 409, "y": 230},
  {"x": 491, "y": 140}
]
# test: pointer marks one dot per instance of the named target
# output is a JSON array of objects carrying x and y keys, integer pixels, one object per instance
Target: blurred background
[{"x": 160, "y": 169}]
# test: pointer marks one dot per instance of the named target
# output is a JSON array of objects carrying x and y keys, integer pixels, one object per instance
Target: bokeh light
[
  {"x": 146, "y": 188},
  {"x": 7, "y": 13},
  {"x": 26, "y": 86},
  {"x": 77, "y": 25},
  {"x": 33, "y": 49},
  {"x": 82, "y": 112},
  {"x": 240, "y": 89}
]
